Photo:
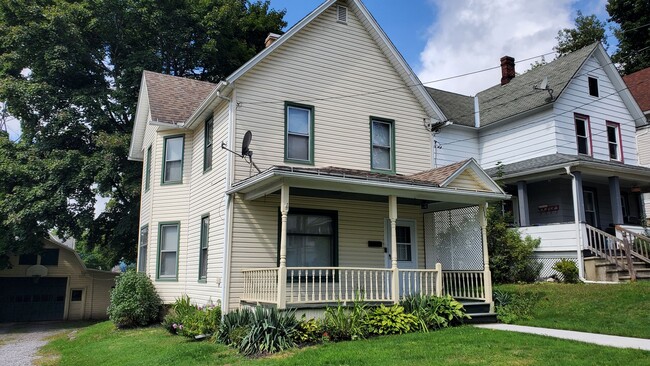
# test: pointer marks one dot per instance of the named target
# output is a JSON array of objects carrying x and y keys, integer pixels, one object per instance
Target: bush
[
  {"x": 343, "y": 324},
  {"x": 434, "y": 312},
  {"x": 391, "y": 320},
  {"x": 511, "y": 257},
  {"x": 134, "y": 301},
  {"x": 309, "y": 331},
  {"x": 512, "y": 307},
  {"x": 568, "y": 269},
  {"x": 191, "y": 321},
  {"x": 234, "y": 327},
  {"x": 270, "y": 331}
]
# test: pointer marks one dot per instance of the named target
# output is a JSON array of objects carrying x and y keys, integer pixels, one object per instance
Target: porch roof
[{"x": 431, "y": 185}]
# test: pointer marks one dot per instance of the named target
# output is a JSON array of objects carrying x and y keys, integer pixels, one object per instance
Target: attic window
[
  {"x": 342, "y": 14},
  {"x": 593, "y": 86}
]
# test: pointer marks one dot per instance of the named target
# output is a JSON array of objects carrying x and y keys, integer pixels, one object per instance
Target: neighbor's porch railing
[{"x": 321, "y": 285}]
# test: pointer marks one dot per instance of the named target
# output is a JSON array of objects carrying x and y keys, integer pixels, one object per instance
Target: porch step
[
  {"x": 481, "y": 318},
  {"x": 480, "y": 312}
]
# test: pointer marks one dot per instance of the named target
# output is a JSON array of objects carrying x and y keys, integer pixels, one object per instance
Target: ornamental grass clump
[{"x": 134, "y": 301}]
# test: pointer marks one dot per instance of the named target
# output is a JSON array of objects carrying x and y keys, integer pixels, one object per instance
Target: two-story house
[
  {"x": 561, "y": 137},
  {"x": 345, "y": 203}
]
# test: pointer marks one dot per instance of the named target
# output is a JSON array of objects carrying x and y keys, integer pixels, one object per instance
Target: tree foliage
[
  {"x": 70, "y": 72},
  {"x": 511, "y": 257},
  {"x": 633, "y": 33},
  {"x": 588, "y": 29}
]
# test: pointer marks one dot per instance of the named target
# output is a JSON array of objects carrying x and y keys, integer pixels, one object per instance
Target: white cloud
[{"x": 471, "y": 35}]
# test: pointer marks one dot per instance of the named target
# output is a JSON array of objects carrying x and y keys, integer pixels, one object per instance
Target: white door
[{"x": 406, "y": 244}]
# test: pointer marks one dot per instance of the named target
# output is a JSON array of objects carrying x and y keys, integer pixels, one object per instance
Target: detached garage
[{"x": 55, "y": 285}]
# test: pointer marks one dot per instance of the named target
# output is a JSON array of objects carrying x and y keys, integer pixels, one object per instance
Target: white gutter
[{"x": 210, "y": 102}]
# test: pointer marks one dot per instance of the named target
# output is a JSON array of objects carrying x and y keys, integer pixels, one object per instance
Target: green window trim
[
  {"x": 203, "y": 248},
  {"x": 163, "y": 178},
  {"x": 159, "y": 257},
  {"x": 287, "y": 159},
  {"x": 143, "y": 247},
  {"x": 393, "y": 161},
  {"x": 207, "y": 144},
  {"x": 147, "y": 173}
]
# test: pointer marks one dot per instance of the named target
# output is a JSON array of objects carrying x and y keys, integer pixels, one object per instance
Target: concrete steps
[{"x": 480, "y": 312}]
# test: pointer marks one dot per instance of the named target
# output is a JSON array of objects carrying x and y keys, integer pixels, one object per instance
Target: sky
[{"x": 445, "y": 38}]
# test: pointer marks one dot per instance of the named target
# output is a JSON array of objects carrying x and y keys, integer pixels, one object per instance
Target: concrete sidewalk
[{"x": 602, "y": 339}]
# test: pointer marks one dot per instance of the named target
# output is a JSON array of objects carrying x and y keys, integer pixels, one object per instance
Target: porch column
[
  {"x": 579, "y": 216},
  {"x": 392, "y": 215},
  {"x": 578, "y": 196},
  {"x": 522, "y": 194},
  {"x": 282, "y": 270},
  {"x": 487, "y": 275},
  {"x": 615, "y": 199}
]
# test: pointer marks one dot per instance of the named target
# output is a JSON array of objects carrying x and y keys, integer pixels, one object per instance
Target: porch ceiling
[{"x": 360, "y": 183}]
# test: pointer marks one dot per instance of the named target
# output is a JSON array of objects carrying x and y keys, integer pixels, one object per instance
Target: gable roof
[
  {"x": 458, "y": 108},
  {"x": 518, "y": 96},
  {"x": 639, "y": 85},
  {"x": 173, "y": 99}
]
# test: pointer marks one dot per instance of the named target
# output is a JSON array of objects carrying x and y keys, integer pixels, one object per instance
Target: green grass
[
  {"x": 621, "y": 309},
  {"x": 101, "y": 344}
]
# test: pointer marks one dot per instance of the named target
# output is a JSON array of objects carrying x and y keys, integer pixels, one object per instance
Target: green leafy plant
[
  {"x": 270, "y": 331},
  {"x": 202, "y": 322},
  {"x": 434, "y": 312},
  {"x": 309, "y": 331},
  {"x": 342, "y": 323},
  {"x": 134, "y": 301},
  {"x": 567, "y": 269},
  {"x": 391, "y": 320},
  {"x": 234, "y": 327},
  {"x": 512, "y": 307}
]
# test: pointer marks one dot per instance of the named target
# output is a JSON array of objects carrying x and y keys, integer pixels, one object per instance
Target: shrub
[
  {"x": 391, "y": 320},
  {"x": 511, "y": 257},
  {"x": 512, "y": 307},
  {"x": 234, "y": 327},
  {"x": 568, "y": 269},
  {"x": 309, "y": 331},
  {"x": 174, "y": 319},
  {"x": 434, "y": 312},
  {"x": 134, "y": 301},
  {"x": 191, "y": 321},
  {"x": 270, "y": 331},
  {"x": 343, "y": 324}
]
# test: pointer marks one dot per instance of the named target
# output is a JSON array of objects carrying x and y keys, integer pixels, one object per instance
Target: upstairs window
[
  {"x": 382, "y": 140},
  {"x": 50, "y": 257},
  {"x": 593, "y": 86},
  {"x": 583, "y": 134},
  {"x": 144, "y": 240},
  {"x": 173, "y": 159},
  {"x": 299, "y": 133},
  {"x": 147, "y": 172},
  {"x": 207, "y": 145},
  {"x": 27, "y": 259},
  {"x": 614, "y": 141},
  {"x": 203, "y": 253}
]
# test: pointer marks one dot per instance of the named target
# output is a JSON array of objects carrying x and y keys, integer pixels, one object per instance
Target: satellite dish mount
[{"x": 246, "y": 152}]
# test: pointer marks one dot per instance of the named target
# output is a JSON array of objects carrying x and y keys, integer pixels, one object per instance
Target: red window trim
[
  {"x": 586, "y": 118},
  {"x": 620, "y": 140}
]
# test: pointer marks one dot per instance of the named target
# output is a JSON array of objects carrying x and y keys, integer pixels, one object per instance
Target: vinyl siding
[
  {"x": 560, "y": 237},
  {"x": 643, "y": 146},
  {"x": 470, "y": 181},
  {"x": 456, "y": 144},
  {"x": 255, "y": 233},
  {"x": 338, "y": 69},
  {"x": 608, "y": 107},
  {"x": 146, "y": 197}
]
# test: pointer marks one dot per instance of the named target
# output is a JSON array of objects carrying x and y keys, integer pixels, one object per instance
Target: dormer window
[
  {"x": 614, "y": 141},
  {"x": 583, "y": 134},
  {"x": 593, "y": 86}
]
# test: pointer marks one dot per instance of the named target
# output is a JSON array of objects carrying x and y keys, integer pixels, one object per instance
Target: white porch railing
[
  {"x": 323, "y": 285},
  {"x": 464, "y": 284}
]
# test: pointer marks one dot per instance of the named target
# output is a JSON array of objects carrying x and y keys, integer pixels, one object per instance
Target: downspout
[
  {"x": 576, "y": 210},
  {"x": 225, "y": 281}
]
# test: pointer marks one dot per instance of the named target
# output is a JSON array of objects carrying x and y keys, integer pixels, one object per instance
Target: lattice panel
[
  {"x": 547, "y": 265},
  {"x": 455, "y": 236}
]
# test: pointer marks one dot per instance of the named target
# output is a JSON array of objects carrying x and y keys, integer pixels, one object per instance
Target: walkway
[{"x": 602, "y": 339}]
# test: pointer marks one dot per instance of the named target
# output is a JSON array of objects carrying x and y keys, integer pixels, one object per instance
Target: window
[
  {"x": 147, "y": 172},
  {"x": 593, "y": 86},
  {"x": 311, "y": 238},
  {"x": 168, "y": 250},
  {"x": 404, "y": 243},
  {"x": 75, "y": 295},
  {"x": 589, "y": 197},
  {"x": 614, "y": 141},
  {"x": 299, "y": 133},
  {"x": 144, "y": 240},
  {"x": 583, "y": 134},
  {"x": 207, "y": 145},
  {"x": 27, "y": 259},
  {"x": 173, "y": 159},
  {"x": 203, "y": 254},
  {"x": 382, "y": 142},
  {"x": 50, "y": 257}
]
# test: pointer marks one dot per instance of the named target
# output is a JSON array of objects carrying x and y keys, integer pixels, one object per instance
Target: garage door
[{"x": 25, "y": 299}]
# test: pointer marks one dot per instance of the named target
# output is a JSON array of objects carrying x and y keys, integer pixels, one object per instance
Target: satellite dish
[
  {"x": 245, "y": 151},
  {"x": 544, "y": 84}
]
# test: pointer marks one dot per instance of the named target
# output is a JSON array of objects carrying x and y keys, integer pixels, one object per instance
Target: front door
[{"x": 406, "y": 245}]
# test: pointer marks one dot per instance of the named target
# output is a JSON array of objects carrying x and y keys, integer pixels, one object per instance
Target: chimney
[
  {"x": 272, "y": 37},
  {"x": 507, "y": 69}
]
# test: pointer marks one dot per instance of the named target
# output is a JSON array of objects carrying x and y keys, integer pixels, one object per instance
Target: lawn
[
  {"x": 620, "y": 309},
  {"x": 101, "y": 344}
]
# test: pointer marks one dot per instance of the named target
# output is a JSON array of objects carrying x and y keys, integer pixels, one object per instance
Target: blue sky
[{"x": 443, "y": 38}]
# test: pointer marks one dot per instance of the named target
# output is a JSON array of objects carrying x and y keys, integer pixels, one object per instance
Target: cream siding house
[{"x": 345, "y": 200}]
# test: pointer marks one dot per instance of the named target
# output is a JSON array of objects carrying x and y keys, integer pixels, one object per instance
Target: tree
[
  {"x": 633, "y": 33},
  {"x": 588, "y": 29},
  {"x": 70, "y": 72}
]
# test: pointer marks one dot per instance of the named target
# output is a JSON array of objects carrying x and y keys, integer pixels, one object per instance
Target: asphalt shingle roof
[
  {"x": 173, "y": 98},
  {"x": 456, "y": 107}
]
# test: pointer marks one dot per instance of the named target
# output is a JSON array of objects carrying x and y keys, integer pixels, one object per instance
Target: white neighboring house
[
  {"x": 561, "y": 137},
  {"x": 346, "y": 203}
]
